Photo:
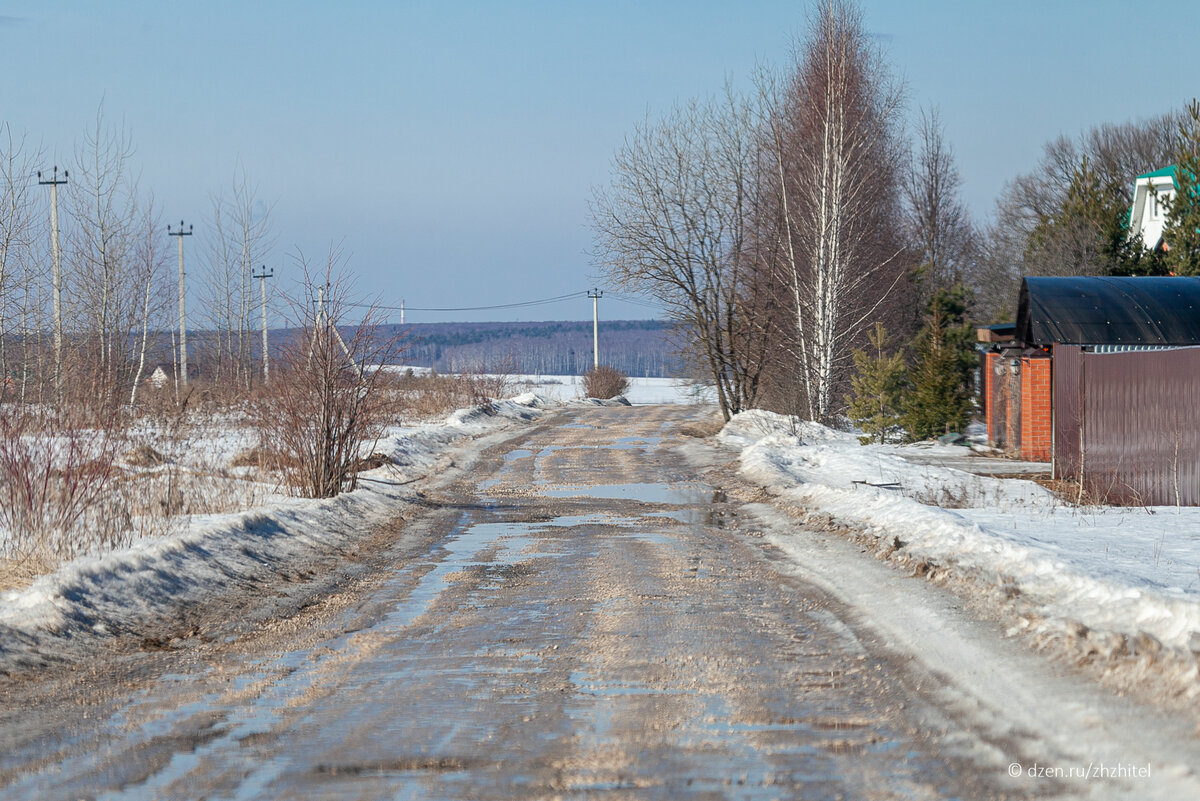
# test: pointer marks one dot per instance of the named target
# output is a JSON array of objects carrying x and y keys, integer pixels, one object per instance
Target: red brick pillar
[{"x": 1037, "y": 415}]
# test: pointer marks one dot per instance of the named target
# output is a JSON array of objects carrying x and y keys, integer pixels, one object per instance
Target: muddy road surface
[{"x": 586, "y": 612}]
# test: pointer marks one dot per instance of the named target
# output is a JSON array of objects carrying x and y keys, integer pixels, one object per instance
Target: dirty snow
[{"x": 1128, "y": 572}]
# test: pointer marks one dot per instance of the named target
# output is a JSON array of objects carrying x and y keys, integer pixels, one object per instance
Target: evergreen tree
[
  {"x": 877, "y": 388},
  {"x": 1182, "y": 234},
  {"x": 1089, "y": 231},
  {"x": 941, "y": 394}
]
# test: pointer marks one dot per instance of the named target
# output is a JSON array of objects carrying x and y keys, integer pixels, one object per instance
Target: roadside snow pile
[
  {"x": 1119, "y": 581},
  {"x": 153, "y": 581}
]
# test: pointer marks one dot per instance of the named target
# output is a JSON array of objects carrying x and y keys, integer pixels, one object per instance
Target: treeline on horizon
[{"x": 636, "y": 347}]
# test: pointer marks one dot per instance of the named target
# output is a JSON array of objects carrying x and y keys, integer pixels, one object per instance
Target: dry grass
[
  {"x": 263, "y": 459},
  {"x": 143, "y": 456},
  {"x": 1070, "y": 493},
  {"x": 70, "y": 488},
  {"x": 703, "y": 429},
  {"x": 142, "y": 473},
  {"x": 425, "y": 397}
]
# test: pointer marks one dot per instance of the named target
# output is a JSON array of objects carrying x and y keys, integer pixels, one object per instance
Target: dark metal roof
[{"x": 1109, "y": 310}]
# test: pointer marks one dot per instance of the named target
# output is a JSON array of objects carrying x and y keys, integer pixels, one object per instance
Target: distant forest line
[{"x": 637, "y": 347}]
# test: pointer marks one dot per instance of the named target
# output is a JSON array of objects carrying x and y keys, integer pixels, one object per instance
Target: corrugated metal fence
[{"x": 1130, "y": 422}]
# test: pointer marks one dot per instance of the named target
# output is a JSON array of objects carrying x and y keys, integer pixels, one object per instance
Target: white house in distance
[
  {"x": 1151, "y": 194},
  {"x": 164, "y": 373}
]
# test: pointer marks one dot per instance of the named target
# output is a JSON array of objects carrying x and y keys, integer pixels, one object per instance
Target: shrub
[
  {"x": 604, "y": 382},
  {"x": 326, "y": 403},
  {"x": 54, "y": 473}
]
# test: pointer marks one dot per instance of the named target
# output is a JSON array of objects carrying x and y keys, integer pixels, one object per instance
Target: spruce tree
[
  {"x": 1091, "y": 229},
  {"x": 877, "y": 388},
  {"x": 1182, "y": 233},
  {"x": 941, "y": 394}
]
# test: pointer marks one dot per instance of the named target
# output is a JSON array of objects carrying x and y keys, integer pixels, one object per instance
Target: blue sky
[{"x": 451, "y": 147}]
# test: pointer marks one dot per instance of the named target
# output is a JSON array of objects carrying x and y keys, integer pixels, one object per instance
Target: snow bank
[
  {"x": 1127, "y": 581},
  {"x": 127, "y": 590}
]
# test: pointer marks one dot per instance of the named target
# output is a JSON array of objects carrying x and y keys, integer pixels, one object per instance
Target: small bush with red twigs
[{"x": 605, "y": 382}]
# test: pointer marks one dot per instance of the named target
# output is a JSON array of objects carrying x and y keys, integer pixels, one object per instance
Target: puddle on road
[
  {"x": 505, "y": 543},
  {"x": 663, "y": 493},
  {"x": 646, "y": 444},
  {"x": 510, "y": 459}
]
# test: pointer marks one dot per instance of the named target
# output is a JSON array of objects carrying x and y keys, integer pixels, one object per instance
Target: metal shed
[{"x": 1124, "y": 381}]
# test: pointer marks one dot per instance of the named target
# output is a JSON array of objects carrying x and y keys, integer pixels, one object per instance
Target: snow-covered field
[
  {"x": 641, "y": 390},
  {"x": 570, "y": 387},
  {"x": 1122, "y": 581}
]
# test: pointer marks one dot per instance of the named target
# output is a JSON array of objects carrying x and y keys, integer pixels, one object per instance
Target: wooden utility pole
[
  {"x": 56, "y": 267},
  {"x": 183, "y": 364},
  {"x": 595, "y": 295},
  {"x": 262, "y": 282}
]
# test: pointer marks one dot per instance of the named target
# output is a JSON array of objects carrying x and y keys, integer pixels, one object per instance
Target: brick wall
[{"x": 1037, "y": 416}]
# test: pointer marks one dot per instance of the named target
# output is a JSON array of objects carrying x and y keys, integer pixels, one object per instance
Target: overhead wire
[
  {"x": 635, "y": 301},
  {"x": 518, "y": 305}
]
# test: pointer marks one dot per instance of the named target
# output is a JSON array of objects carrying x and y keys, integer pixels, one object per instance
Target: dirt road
[{"x": 586, "y": 612}]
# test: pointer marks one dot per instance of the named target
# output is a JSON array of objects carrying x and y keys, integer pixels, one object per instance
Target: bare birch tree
[
  {"x": 104, "y": 289},
  {"x": 830, "y": 215},
  {"x": 672, "y": 225},
  {"x": 240, "y": 240},
  {"x": 151, "y": 258},
  {"x": 18, "y": 236},
  {"x": 938, "y": 224}
]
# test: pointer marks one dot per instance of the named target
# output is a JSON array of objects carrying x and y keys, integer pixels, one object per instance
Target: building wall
[
  {"x": 1149, "y": 207},
  {"x": 990, "y": 360},
  {"x": 1037, "y": 411},
  {"x": 1135, "y": 433},
  {"x": 1068, "y": 408}
]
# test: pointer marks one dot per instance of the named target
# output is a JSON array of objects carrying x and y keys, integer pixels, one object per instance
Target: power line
[
  {"x": 634, "y": 301},
  {"x": 404, "y": 307},
  {"x": 518, "y": 305}
]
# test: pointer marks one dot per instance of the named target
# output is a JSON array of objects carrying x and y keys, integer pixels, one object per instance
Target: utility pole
[
  {"x": 262, "y": 282},
  {"x": 183, "y": 367},
  {"x": 56, "y": 275},
  {"x": 323, "y": 319},
  {"x": 595, "y": 295}
]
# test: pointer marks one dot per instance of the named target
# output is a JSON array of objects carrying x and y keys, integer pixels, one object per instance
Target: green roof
[{"x": 1165, "y": 172}]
